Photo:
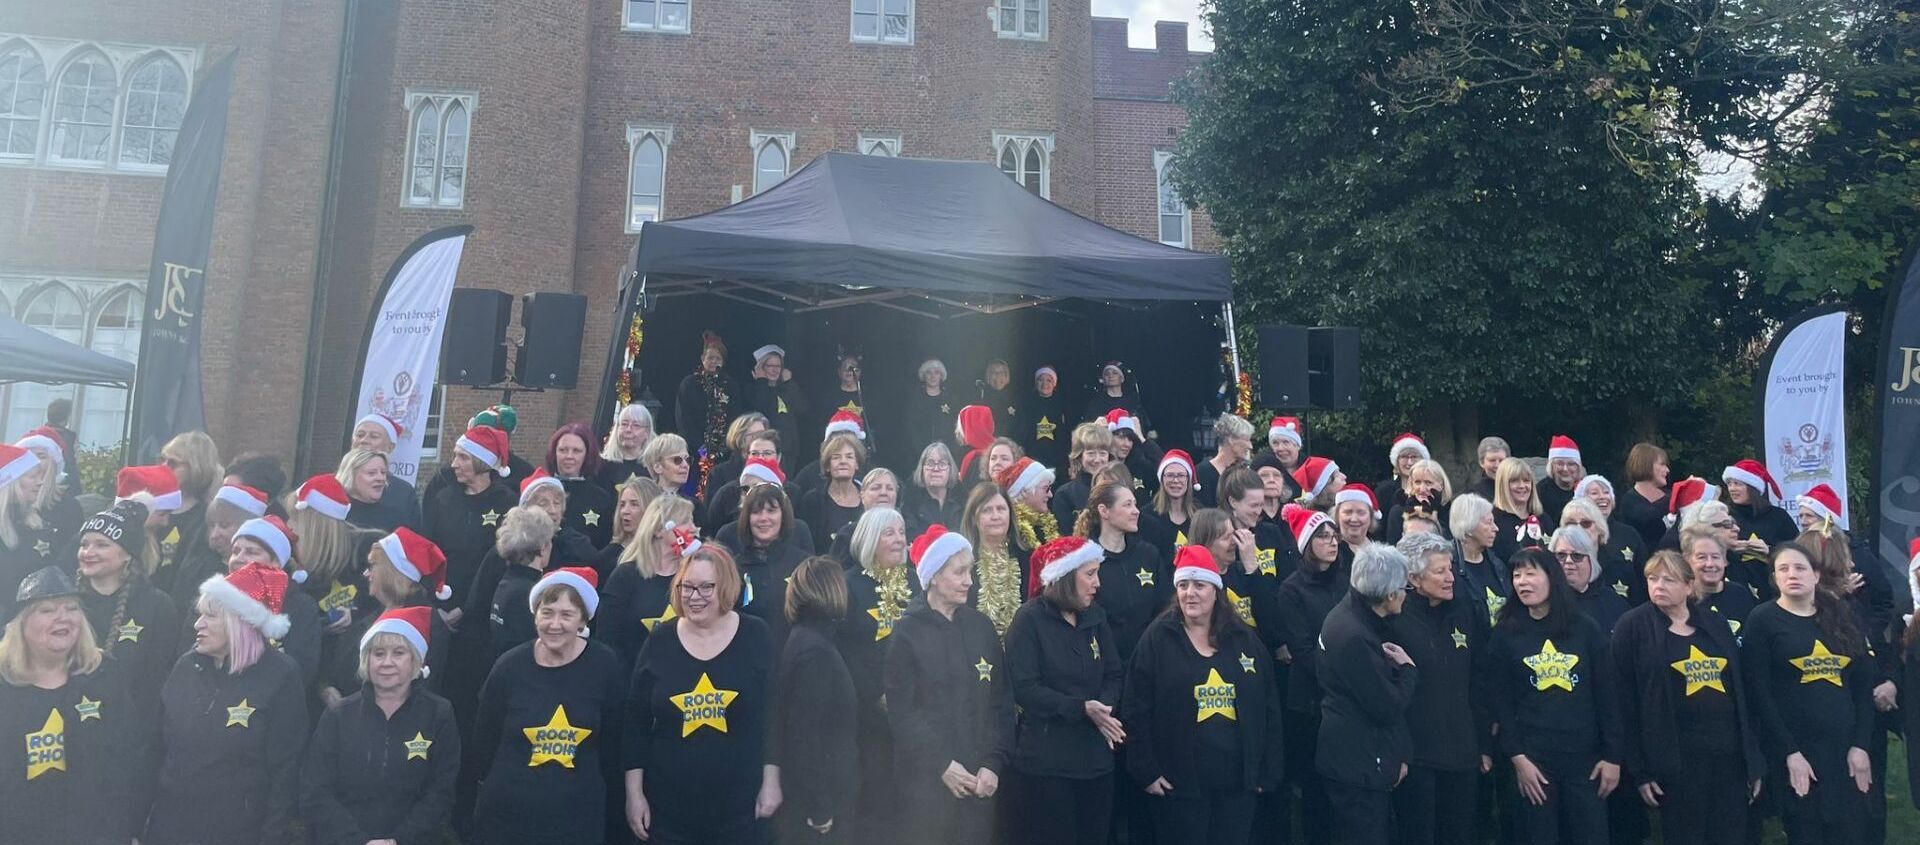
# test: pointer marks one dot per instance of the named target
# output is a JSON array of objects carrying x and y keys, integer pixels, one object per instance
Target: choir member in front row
[
  {"x": 1204, "y": 713},
  {"x": 696, "y": 762},
  {"x": 815, "y": 730},
  {"x": 233, "y": 720},
  {"x": 382, "y": 763},
  {"x": 1367, "y": 682},
  {"x": 1302, "y": 603},
  {"x": 1066, "y": 679},
  {"x": 987, "y": 523},
  {"x": 136, "y": 622},
  {"x": 1445, "y": 633},
  {"x": 947, "y": 703}
]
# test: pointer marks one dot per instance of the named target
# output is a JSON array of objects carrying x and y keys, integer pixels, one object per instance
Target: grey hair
[
  {"x": 1466, "y": 512},
  {"x": 636, "y": 412},
  {"x": 1704, "y": 513},
  {"x": 522, "y": 534},
  {"x": 1229, "y": 425},
  {"x": 1580, "y": 540},
  {"x": 930, "y": 365},
  {"x": 935, "y": 449},
  {"x": 661, "y": 447},
  {"x": 1379, "y": 571},
  {"x": 1492, "y": 444},
  {"x": 1418, "y": 545},
  {"x": 866, "y": 533},
  {"x": 1586, "y": 507}
]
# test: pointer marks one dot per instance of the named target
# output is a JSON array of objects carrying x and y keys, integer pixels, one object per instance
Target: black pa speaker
[
  {"x": 550, "y": 351},
  {"x": 1283, "y": 367},
  {"x": 473, "y": 350},
  {"x": 1333, "y": 367}
]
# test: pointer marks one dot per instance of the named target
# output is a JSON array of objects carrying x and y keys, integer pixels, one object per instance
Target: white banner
[
  {"x": 1805, "y": 411},
  {"x": 401, "y": 362}
]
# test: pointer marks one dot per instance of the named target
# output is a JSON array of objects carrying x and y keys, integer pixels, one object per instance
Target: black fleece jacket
[
  {"x": 370, "y": 776},
  {"x": 1648, "y": 690},
  {"x": 235, "y": 736},
  {"x": 1135, "y": 585},
  {"x": 1162, "y": 715},
  {"x": 1363, "y": 738},
  {"x": 1304, "y": 601},
  {"x": 1449, "y": 717},
  {"x": 947, "y": 699},
  {"x": 814, "y": 735},
  {"x": 1054, "y": 668}
]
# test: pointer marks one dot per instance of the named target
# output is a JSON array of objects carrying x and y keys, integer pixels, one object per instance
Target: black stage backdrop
[{"x": 1896, "y": 473}]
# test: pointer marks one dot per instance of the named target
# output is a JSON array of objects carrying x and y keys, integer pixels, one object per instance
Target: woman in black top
[
  {"x": 1136, "y": 577},
  {"x": 1643, "y": 504},
  {"x": 1302, "y": 603},
  {"x": 1367, "y": 682},
  {"x": 136, "y": 622},
  {"x": 879, "y": 588},
  {"x": 836, "y": 502},
  {"x": 460, "y": 519},
  {"x": 1000, "y": 573},
  {"x": 1448, "y": 719},
  {"x": 637, "y": 599},
  {"x": 195, "y": 462},
  {"x": 27, "y": 537},
  {"x": 698, "y": 710},
  {"x": 569, "y": 548},
  {"x": 1480, "y": 575},
  {"x": 929, "y": 410},
  {"x": 1579, "y": 555},
  {"x": 620, "y": 455},
  {"x": 382, "y": 762},
  {"x": 590, "y": 501},
  {"x": 766, "y": 547},
  {"x": 1706, "y": 554},
  {"x": 1165, "y": 525},
  {"x": 363, "y": 475},
  {"x": 1550, "y": 687},
  {"x": 1517, "y": 515},
  {"x": 814, "y": 736},
  {"x": 1752, "y": 499},
  {"x": 947, "y": 702},
  {"x": 935, "y": 496},
  {"x": 631, "y": 500},
  {"x": 707, "y": 399},
  {"x": 1620, "y": 543},
  {"x": 547, "y": 740},
  {"x": 1092, "y": 451},
  {"x": 525, "y": 546},
  {"x": 1810, "y": 675},
  {"x": 1691, "y": 747},
  {"x": 1066, "y": 680},
  {"x": 1204, "y": 713},
  {"x": 389, "y": 588}
]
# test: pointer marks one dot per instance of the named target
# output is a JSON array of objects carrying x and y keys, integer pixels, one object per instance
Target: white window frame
[
  {"x": 660, "y": 134},
  {"x": 1021, "y": 144},
  {"x": 628, "y": 23},
  {"x": 1020, "y": 9},
  {"x": 758, "y": 140},
  {"x": 53, "y": 121},
  {"x": 47, "y": 86},
  {"x": 442, "y": 102},
  {"x": 1161, "y": 161},
  {"x": 875, "y": 144},
  {"x": 126, "y": 95},
  {"x": 880, "y": 23},
  {"x": 56, "y": 55}
]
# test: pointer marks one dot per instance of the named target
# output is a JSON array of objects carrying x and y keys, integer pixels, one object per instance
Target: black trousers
[
  {"x": 1210, "y": 818},
  {"x": 1833, "y": 811},
  {"x": 1303, "y": 740},
  {"x": 1043, "y": 810},
  {"x": 1273, "y": 817},
  {"x": 1436, "y": 807},
  {"x": 933, "y": 816},
  {"x": 1359, "y": 816},
  {"x": 1573, "y": 814},
  {"x": 738, "y": 832},
  {"x": 1708, "y": 803},
  {"x": 877, "y": 815}
]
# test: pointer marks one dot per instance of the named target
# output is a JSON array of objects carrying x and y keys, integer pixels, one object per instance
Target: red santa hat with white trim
[
  {"x": 1119, "y": 420},
  {"x": 248, "y": 500},
  {"x": 413, "y": 624},
  {"x": 1823, "y": 502},
  {"x": 582, "y": 579},
  {"x": 1408, "y": 440},
  {"x": 973, "y": 427},
  {"x": 324, "y": 495},
  {"x": 765, "y": 470},
  {"x": 15, "y": 462},
  {"x": 844, "y": 421},
  {"x": 1174, "y": 458},
  {"x": 1058, "y": 558},
  {"x": 1195, "y": 563},
  {"x": 1314, "y": 474},
  {"x": 1023, "y": 475},
  {"x": 154, "y": 486},
  {"x": 45, "y": 439},
  {"x": 269, "y": 531},
  {"x": 1687, "y": 491},
  {"x": 387, "y": 424},
  {"x": 537, "y": 480},
  {"x": 1562, "y": 447},
  {"x": 418, "y": 559},
  {"x": 1357, "y": 492},
  {"x": 1285, "y": 428},
  {"x": 255, "y": 593},
  {"x": 1302, "y": 521},
  {"x": 685, "y": 540},
  {"x": 932, "y": 549},
  {"x": 488, "y": 445},
  {"x": 1753, "y": 474}
]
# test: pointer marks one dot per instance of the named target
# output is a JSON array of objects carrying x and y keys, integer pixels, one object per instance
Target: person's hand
[
  {"x": 1102, "y": 717},
  {"x": 1886, "y": 697},
  {"x": 639, "y": 816},
  {"x": 1608, "y": 774},
  {"x": 1486, "y": 764},
  {"x": 1249, "y": 553},
  {"x": 345, "y": 620},
  {"x": 1854, "y": 582},
  {"x": 1402, "y": 778},
  {"x": 1860, "y": 768},
  {"x": 1650, "y": 793},
  {"x": 1396, "y": 654},
  {"x": 1284, "y": 655},
  {"x": 822, "y": 828},
  {"x": 452, "y": 618},
  {"x": 1753, "y": 791},
  {"x": 957, "y": 780},
  {"x": 786, "y": 374},
  {"x": 330, "y": 697},
  {"x": 1159, "y": 787},
  {"x": 1533, "y": 784},
  {"x": 768, "y": 801},
  {"x": 985, "y": 783},
  {"x": 1800, "y": 775}
]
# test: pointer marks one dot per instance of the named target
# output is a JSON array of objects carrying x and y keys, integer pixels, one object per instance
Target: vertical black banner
[
  {"x": 1896, "y": 471},
  {"x": 166, "y": 394}
]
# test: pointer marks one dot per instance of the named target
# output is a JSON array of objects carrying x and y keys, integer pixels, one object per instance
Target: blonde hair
[
  {"x": 643, "y": 488},
  {"x": 660, "y": 448},
  {"x": 726, "y": 579},
  {"x": 1509, "y": 470},
  {"x": 1087, "y": 435},
  {"x": 1432, "y": 468},
  {"x": 326, "y": 544},
  {"x": 640, "y": 553},
  {"x": 381, "y": 568},
  {"x": 611, "y": 451},
  {"x": 737, "y": 430},
  {"x": 351, "y": 464},
  {"x": 1671, "y": 562},
  {"x": 16, "y": 512},
  {"x": 202, "y": 457},
  {"x": 388, "y": 639},
  {"x": 84, "y": 658}
]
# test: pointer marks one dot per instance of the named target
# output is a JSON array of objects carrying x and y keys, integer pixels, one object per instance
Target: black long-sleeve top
[
  {"x": 1363, "y": 737},
  {"x": 1054, "y": 668},
  {"x": 1552, "y": 694},
  {"x": 766, "y": 570},
  {"x": 201, "y": 563},
  {"x": 462, "y": 525},
  {"x": 1601, "y": 604},
  {"x": 509, "y": 621},
  {"x": 618, "y": 472},
  {"x": 1770, "y": 524},
  {"x": 1256, "y": 597},
  {"x": 546, "y": 746},
  {"x": 1449, "y": 718},
  {"x": 34, "y": 551},
  {"x": 1135, "y": 585},
  {"x": 814, "y": 736},
  {"x": 1809, "y": 694},
  {"x": 1662, "y": 689},
  {"x": 1044, "y": 429},
  {"x": 399, "y": 505},
  {"x": 77, "y": 765},
  {"x": 302, "y": 642},
  {"x": 947, "y": 700},
  {"x": 631, "y": 606},
  {"x": 343, "y": 660},
  {"x": 1734, "y": 603},
  {"x": 570, "y": 548},
  {"x": 723, "y": 502},
  {"x": 1166, "y": 535},
  {"x": 863, "y": 634},
  {"x": 1172, "y": 700},
  {"x": 929, "y": 419},
  {"x": 1647, "y": 517},
  {"x": 590, "y": 506},
  {"x": 236, "y": 736},
  {"x": 517, "y": 469},
  {"x": 1513, "y": 533},
  {"x": 920, "y": 510},
  {"x": 1304, "y": 601},
  {"x": 143, "y": 636},
  {"x": 818, "y": 508},
  {"x": 698, "y": 728},
  {"x": 372, "y": 776},
  {"x": 1069, "y": 499},
  {"x": 783, "y": 404}
]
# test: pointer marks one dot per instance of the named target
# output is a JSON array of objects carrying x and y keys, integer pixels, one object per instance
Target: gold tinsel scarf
[
  {"x": 1036, "y": 528},
  {"x": 1000, "y": 588},
  {"x": 891, "y": 593}
]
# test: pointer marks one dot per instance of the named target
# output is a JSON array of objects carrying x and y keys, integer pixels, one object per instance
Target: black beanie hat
[{"x": 125, "y": 524}]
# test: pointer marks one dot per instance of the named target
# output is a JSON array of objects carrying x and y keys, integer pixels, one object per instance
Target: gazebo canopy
[{"x": 28, "y": 354}]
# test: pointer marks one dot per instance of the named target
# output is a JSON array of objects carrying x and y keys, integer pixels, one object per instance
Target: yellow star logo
[
  {"x": 417, "y": 746},
  {"x": 884, "y": 615},
  {"x": 1139, "y": 485},
  {"x": 1627, "y": 554},
  {"x": 1620, "y": 589},
  {"x": 1093, "y": 645},
  {"x": 780, "y": 404},
  {"x": 1145, "y": 575},
  {"x": 490, "y": 519},
  {"x": 1180, "y": 538},
  {"x": 1012, "y": 411},
  {"x": 1242, "y": 605},
  {"x": 590, "y": 518},
  {"x": 1246, "y": 663},
  {"x": 1043, "y": 430},
  {"x": 130, "y": 632},
  {"x": 1821, "y": 665},
  {"x": 703, "y": 707},
  {"x": 664, "y": 616},
  {"x": 342, "y": 595},
  {"x": 1701, "y": 671},
  {"x": 851, "y": 407},
  {"x": 1214, "y": 697},
  {"x": 945, "y": 409},
  {"x": 43, "y": 547},
  {"x": 1459, "y": 639},
  {"x": 88, "y": 709},
  {"x": 47, "y": 747},
  {"x": 1495, "y": 601},
  {"x": 1552, "y": 669},
  {"x": 984, "y": 668},
  {"x": 1265, "y": 558},
  {"x": 240, "y": 714},
  {"x": 556, "y": 741}
]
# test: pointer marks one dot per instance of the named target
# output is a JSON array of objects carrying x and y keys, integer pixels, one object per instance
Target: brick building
[{"x": 554, "y": 127}]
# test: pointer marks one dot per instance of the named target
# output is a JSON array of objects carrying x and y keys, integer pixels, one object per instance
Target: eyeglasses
[
  {"x": 768, "y": 454},
  {"x": 1726, "y": 523},
  {"x": 677, "y": 459},
  {"x": 1583, "y": 523},
  {"x": 1570, "y": 557},
  {"x": 936, "y": 464},
  {"x": 704, "y": 591}
]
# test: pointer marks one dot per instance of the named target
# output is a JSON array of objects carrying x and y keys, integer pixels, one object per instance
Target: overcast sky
[{"x": 1143, "y": 13}]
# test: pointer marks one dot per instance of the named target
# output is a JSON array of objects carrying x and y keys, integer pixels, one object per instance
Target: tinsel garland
[
  {"x": 891, "y": 594},
  {"x": 1243, "y": 403},
  {"x": 623, "y": 386},
  {"x": 1000, "y": 589},
  {"x": 1037, "y": 528}
]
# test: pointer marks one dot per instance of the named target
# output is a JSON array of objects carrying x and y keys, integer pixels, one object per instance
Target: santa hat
[
  {"x": 1046, "y": 370},
  {"x": 1055, "y": 559},
  {"x": 538, "y": 479},
  {"x": 418, "y": 559},
  {"x": 1023, "y": 475},
  {"x": 582, "y": 579},
  {"x": 247, "y": 499},
  {"x": 1687, "y": 491},
  {"x": 1589, "y": 481},
  {"x": 387, "y": 424},
  {"x": 1195, "y": 563},
  {"x": 1563, "y": 447},
  {"x": 1285, "y": 428},
  {"x": 770, "y": 349},
  {"x": 765, "y": 469},
  {"x": 685, "y": 541},
  {"x": 15, "y": 462},
  {"x": 932, "y": 549},
  {"x": 1119, "y": 420},
  {"x": 154, "y": 486},
  {"x": 844, "y": 421},
  {"x": 45, "y": 439},
  {"x": 502, "y": 417},
  {"x": 1753, "y": 474},
  {"x": 1824, "y": 502},
  {"x": 1173, "y": 458},
  {"x": 488, "y": 445},
  {"x": 1303, "y": 522},
  {"x": 269, "y": 531},
  {"x": 1406, "y": 441},
  {"x": 323, "y": 495},
  {"x": 1314, "y": 475},
  {"x": 1357, "y": 492},
  {"x": 413, "y": 624},
  {"x": 255, "y": 593}
]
